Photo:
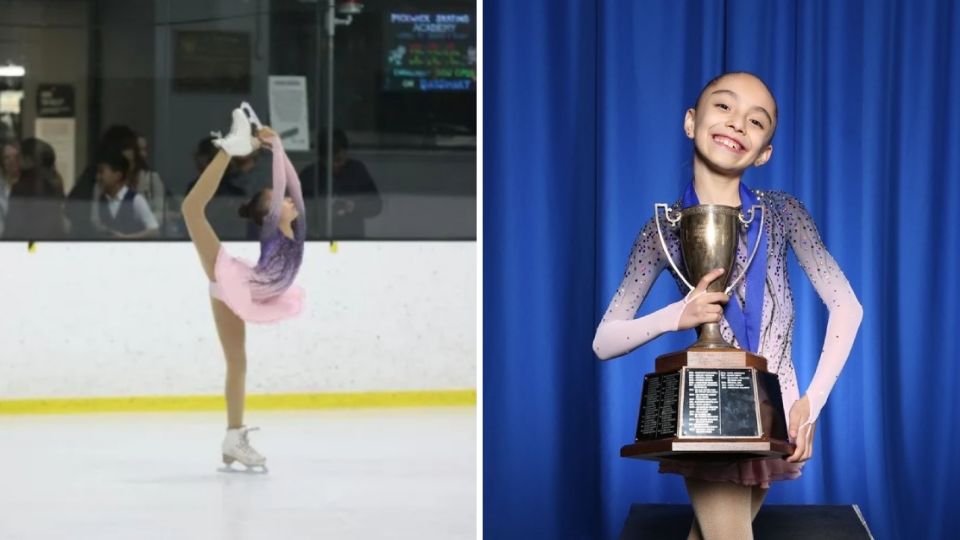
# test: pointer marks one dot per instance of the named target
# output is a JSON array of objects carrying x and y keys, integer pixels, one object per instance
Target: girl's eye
[
  {"x": 757, "y": 123},
  {"x": 723, "y": 106}
]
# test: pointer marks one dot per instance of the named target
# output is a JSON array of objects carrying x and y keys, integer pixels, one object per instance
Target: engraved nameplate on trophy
[
  {"x": 660, "y": 398},
  {"x": 719, "y": 403}
]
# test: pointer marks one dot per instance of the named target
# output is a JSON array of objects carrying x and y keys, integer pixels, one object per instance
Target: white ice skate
[
  {"x": 239, "y": 141},
  {"x": 252, "y": 116},
  {"x": 236, "y": 447}
]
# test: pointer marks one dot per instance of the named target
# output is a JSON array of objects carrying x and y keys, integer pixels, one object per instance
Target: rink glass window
[{"x": 391, "y": 91}]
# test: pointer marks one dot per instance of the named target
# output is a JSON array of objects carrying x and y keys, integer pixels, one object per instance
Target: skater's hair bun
[{"x": 256, "y": 208}]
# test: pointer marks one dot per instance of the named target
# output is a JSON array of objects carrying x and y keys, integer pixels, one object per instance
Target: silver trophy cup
[{"x": 709, "y": 235}]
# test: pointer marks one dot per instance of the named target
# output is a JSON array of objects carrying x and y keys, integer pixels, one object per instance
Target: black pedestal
[{"x": 780, "y": 522}]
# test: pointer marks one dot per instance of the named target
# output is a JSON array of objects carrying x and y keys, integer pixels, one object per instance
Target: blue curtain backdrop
[{"x": 583, "y": 108}]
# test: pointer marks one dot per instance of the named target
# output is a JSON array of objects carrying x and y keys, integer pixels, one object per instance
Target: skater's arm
[
  {"x": 617, "y": 337},
  {"x": 619, "y": 332},
  {"x": 285, "y": 180},
  {"x": 698, "y": 307},
  {"x": 206, "y": 187},
  {"x": 296, "y": 193},
  {"x": 271, "y": 140},
  {"x": 835, "y": 291}
]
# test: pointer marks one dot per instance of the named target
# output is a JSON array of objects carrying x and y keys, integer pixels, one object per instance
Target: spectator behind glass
[
  {"x": 143, "y": 148},
  {"x": 231, "y": 193},
  {"x": 231, "y": 185},
  {"x": 355, "y": 195},
  {"x": 9, "y": 175},
  {"x": 120, "y": 211},
  {"x": 35, "y": 206},
  {"x": 86, "y": 192},
  {"x": 145, "y": 180}
]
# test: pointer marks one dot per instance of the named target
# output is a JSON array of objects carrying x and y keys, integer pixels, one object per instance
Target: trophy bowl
[{"x": 709, "y": 235}]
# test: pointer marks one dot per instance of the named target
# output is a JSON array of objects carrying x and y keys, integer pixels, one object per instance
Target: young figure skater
[
  {"x": 241, "y": 291},
  {"x": 731, "y": 126}
]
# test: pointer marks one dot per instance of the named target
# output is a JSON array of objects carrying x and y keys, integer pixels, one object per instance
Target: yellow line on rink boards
[{"x": 345, "y": 400}]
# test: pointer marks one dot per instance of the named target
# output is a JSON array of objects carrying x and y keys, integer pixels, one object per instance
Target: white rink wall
[{"x": 132, "y": 319}]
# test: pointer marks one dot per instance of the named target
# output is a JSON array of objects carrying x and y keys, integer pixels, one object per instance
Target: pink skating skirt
[
  {"x": 758, "y": 472},
  {"x": 232, "y": 287}
]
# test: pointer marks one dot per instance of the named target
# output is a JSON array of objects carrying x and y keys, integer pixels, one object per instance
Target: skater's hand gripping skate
[
  {"x": 801, "y": 433},
  {"x": 702, "y": 306},
  {"x": 264, "y": 134}
]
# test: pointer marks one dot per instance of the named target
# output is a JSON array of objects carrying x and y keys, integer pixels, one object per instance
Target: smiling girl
[{"x": 732, "y": 126}]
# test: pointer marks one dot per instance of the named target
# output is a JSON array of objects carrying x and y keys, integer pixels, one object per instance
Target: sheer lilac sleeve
[
  {"x": 835, "y": 291},
  {"x": 296, "y": 193},
  {"x": 279, "y": 188},
  {"x": 284, "y": 179},
  {"x": 619, "y": 332}
]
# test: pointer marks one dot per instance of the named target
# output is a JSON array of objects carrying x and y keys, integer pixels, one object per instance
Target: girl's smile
[{"x": 729, "y": 143}]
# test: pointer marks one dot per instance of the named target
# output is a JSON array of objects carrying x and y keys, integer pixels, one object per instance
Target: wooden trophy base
[
  {"x": 707, "y": 449},
  {"x": 710, "y": 404}
]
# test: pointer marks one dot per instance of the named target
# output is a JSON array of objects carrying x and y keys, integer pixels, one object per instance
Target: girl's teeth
[{"x": 728, "y": 143}]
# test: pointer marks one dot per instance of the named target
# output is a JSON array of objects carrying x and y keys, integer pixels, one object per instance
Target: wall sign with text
[{"x": 430, "y": 52}]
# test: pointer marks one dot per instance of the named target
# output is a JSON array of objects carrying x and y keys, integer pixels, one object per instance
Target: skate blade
[
  {"x": 252, "y": 116},
  {"x": 253, "y": 469},
  {"x": 228, "y": 468}
]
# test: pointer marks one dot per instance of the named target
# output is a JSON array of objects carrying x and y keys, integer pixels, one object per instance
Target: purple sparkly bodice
[{"x": 280, "y": 259}]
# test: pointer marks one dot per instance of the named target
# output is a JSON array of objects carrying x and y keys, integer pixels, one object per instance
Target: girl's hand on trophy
[
  {"x": 800, "y": 434},
  {"x": 701, "y": 306}
]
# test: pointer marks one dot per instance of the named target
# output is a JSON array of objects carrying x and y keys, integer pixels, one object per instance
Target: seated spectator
[
  {"x": 120, "y": 212},
  {"x": 230, "y": 186},
  {"x": 355, "y": 195},
  {"x": 85, "y": 193},
  {"x": 35, "y": 205},
  {"x": 9, "y": 176},
  {"x": 145, "y": 180}
]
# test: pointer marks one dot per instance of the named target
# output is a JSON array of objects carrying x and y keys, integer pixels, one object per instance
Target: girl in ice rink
[{"x": 240, "y": 291}]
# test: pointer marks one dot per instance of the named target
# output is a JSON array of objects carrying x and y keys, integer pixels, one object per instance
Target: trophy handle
[
  {"x": 663, "y": 243},
  {"x": 756, "y": 244}
]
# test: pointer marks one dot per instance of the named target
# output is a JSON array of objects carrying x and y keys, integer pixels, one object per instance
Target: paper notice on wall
[
  {"x": 288, "y": 110},
  {"x": 61, "y": 134}
]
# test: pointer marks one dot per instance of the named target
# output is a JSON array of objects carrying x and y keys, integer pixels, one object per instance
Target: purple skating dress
[
  {"x": 787, "y": 222},
  {"x": 264, "y": 292}
]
